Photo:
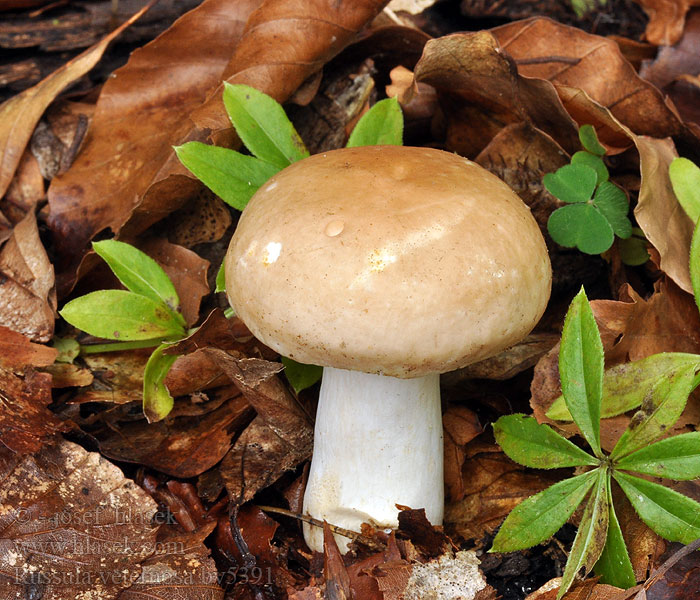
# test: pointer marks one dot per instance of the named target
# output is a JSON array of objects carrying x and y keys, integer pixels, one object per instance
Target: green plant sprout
[
  {"x": 596, "y": 209},
  {"x": 599, "y": 543},
  {"x": 146, "y": 315}
]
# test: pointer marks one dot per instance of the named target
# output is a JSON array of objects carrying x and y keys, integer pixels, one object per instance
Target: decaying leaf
[
  {"x": 17, "y": 352},
  {"x": 461, "y": 426},
  {"x": 666, "y": 19}
]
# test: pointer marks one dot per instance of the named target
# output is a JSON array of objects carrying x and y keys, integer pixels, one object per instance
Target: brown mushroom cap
[{"x": 388, "y": 259}]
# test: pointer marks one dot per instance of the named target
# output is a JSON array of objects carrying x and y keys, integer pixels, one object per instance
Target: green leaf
[
  {"x": 581, "y": 226},
  {"x": 581, "y": 369},
  {"x": 614, "y": 565},
  {"x": 382, "y": 124},
  {"x": 232, "y": 176},
  {"x": 676, "y": 458},
  {"x": 591, "y": 535},
  {"x": 157, "y": 401},
  {"x": 571, "y": 183},
  {"x": 138, "y": 272},
  {"x": 263, "y": 126},
  {"x": 589, "y": 140},
  {"x": 633, "y": 250},
  {"x": 671, "y": 515},
  {"x": 659, "y": 410},
  {"x": 221, "y": 278},
  {"x": 68, "y": 349},
  {"x": 124, "y": 316},
  {"x": 625, "y": 386},
  {"x": 695, "y": 264},
  {"x": 613, "y": 203},
  {"x": 528, "y": 443},
  {"x": 539, "y": 517},
  {"x": 593, "y": 162},
  {"x": 299, "y": 375},
  {"x": 685, "y": 179}
]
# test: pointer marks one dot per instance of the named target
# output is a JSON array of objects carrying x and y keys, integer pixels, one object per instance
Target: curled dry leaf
[
  {"x": 20, "y": 114},
  {"x": 27, "y": 295},
  {"x": 17, "y": 352},
  {"x": 72, "y": 525},
  {"x": 461, "y": 426},
  {"x": 481, "y": 91},
  {"x": 545, "y": 49},
  {"x": 24, "y": 192},
  {"x": 666, "y": 19},
  {"x": 25, "y": 421}
]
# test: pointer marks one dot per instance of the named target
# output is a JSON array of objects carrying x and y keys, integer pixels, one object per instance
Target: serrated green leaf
[
  {"x": 582, "y": 157},
  {"x": 614, "y": 566},
  {"x": 676, "y": 458},
  {"x": 581, "y": 226},
  {"x": 539, "y": 517},
  {"x": 571, "y": 183},
  {"x": 536, "y": 445},
  {"x": 263, "y": 126},
  {"x": 591, "y": 535},
  {"x": 124, "y": 316},
  {"x": 671, "y": 515},
  {"x": 138, "y": 272},
  {"x": 381, "y": 124},
  {"x": 589, "y": 140},
  {"x": 157, "y": 401},
  {"x": 299, "y": 375},
  {"x": 633, "y": 250},
  {"x": 685, "y": 180},
  {"x": 695, "y": 264},
  {"x": 659, "y": 410},
  {"x": 232, "y": 176},
  {"x": 221, "y": 278},
  {"x": 625, "y": 386},
  {"x": 613, "y": 203},
  {"x": 581, "y": 369},
  {"x": 68, "y": 349}
]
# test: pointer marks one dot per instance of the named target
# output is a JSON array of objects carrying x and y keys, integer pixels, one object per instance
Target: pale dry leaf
[
  {"x": 17, "y": 352},
  {"x": 666, "y": 19}
]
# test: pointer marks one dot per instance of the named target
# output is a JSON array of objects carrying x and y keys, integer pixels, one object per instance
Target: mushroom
[{"x": 386, "y": 265}]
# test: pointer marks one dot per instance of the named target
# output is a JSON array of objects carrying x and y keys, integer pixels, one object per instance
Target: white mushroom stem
[{"x": 377, "y": 443}]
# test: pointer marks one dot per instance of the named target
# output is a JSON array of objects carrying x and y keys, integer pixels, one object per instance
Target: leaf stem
[{"x": 118, "y": 346}]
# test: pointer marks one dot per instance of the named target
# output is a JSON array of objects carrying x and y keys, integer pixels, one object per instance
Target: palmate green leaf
[
  {"x": 614, "y": 566},
  {"x": 581, "y": 226},
  {"x": 661, "y": 409},
  {"x": 676, "y": 458},
  {"x": 157, "y": 401},
  {"x": 685, "y": 180},
  {"x": 671, "y": 515},
  {"x": 232, "y": 176},
  {"x": 382, "y": 124},
  {"x": 571, "y": 183},
  {"x": 539, "y": 517},
  {"x": 531, "y": 444},
  {"x": 695, "y": 263},
  {"x": 581, "y": 369},
  {"x": 299, "y": 375},
  {"x": 589, "y": 140},
  {"x": 612, "y": 202},
  {"x": 591, "y": 535},
  {"x": 593, "y": 162},
  {"x": 138, "y": 272},
  {"x": 625, "y": 386},
  {"x": 124, "y": 316},
  {"x": 263, "y": 126}
]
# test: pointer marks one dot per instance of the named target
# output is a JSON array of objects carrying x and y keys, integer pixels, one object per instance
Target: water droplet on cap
[{"x": 335, "y": 228}]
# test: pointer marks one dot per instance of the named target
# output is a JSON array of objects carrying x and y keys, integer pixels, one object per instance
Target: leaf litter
[{"x": 510, "y": 98}]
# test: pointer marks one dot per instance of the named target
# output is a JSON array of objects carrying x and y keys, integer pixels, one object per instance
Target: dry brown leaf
[
  {"x": 118, "y": 377},
  {"x": 202, "y": 221},
  {"x": 666, "y": 19},
  {"x": 20, "y": 114},
  {"x": 565, "y": 55},
  {"x": 335, "y": 575},
  {"x": 582, "y": 590},
  {"x": 461, "y": 426},
  {"x": 25, "y": 190},
  {"x": 481, "y": 92},
  {"x": 27, "y": 295},
  {"x": 17, "y": 352},
  {"x": 72, "y": 525}
]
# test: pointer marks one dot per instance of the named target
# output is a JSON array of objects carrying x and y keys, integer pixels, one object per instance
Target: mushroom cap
[{"x": 388, "y": 259}]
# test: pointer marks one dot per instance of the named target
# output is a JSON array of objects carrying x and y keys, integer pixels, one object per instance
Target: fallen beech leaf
[
  {"x": 427, "y": 538},
  {"x": 27, "y": 295},
  {"x": 666, "y": 19},
  {"x": 335, "y": 575},
  {"x": 25, "y": 190},
  {"x": 20, "y": 114},
  {"x": 584, "y": 590},
  {"x": 25, "y": 421},
  {"x": 182, "y": 447},
  {"x": 72, "y": 525},
  {"x": 17, "y": 352},
  {"x": 118, "y": 377},
  {"x": 481, "y": 92},
  {"x": 565, "y": 55},
  {"x": 461, "y": 426},
  {"x": 67, "y": 375}
]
